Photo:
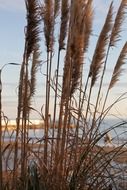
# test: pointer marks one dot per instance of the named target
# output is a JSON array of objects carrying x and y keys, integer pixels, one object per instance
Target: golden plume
[
  {"x": 120, "y": 62},
  {"x": 31, "y": 41},
  {"x": 77, "y": 44},
  {"x": 32, "y": 38},
  {"x": 100, "y": 50},
  {"x": 75, "y": 48},
  {"x": 115, "y": 35}
]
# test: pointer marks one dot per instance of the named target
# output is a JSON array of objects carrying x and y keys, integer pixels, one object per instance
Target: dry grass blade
[
  {"x": 115, "y": 36},
  {"x": 120, "y": 62},
  {"x": 100, "y": 51},
  {"x": 64, "y": 22}
]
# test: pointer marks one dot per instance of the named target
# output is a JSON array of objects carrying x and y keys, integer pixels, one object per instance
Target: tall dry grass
[{"x": 68, "y": 156}]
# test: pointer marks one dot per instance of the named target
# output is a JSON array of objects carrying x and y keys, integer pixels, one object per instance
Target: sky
[{"x": 12, "y": 22}]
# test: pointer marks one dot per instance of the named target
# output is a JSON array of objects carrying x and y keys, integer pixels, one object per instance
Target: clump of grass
[{"x": 65, "y": 157}]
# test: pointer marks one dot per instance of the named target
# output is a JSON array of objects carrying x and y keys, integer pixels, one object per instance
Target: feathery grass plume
[
  {"x": 67, "y": 63},
  {"x": 76, "y": 44},
  {"x": 73, "y": 63},
  {"x": 88, "y": 23},
  {"x": 100, "y": 50},
  {"x": 115, "y": 35},
  {"x": 120, "y": 62},
  {"x": 77, "y": 62},
  {"x": 48, "y": 24},
  {"x": 34, "y": 67},
  {"x": 32, "y": 39},
  {"x": 64, "y": 23},
  {"x": 32, "y": 29},
  {"x": 56, "y": 7},
  {"x": 75, "y": 47},
  {"x": 82, "y": 30}
]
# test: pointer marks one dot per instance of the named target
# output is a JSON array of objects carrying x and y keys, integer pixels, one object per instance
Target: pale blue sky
[{"x": 12, "y": 22}]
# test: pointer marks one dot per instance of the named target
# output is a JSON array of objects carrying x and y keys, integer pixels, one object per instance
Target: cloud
[{"x": 12, "y": 5}]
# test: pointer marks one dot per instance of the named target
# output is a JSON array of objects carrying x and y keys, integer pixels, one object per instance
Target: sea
[{"x": 117, "y": 128}]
